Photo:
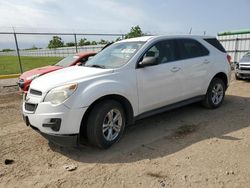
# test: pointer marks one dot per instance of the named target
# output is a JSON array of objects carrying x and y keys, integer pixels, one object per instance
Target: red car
[{"x": 26, "y": 78}]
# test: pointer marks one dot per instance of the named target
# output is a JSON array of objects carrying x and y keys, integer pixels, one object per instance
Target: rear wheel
[
  {"x": 105, "y": 124},
  {"x": 215, "y": 94}
]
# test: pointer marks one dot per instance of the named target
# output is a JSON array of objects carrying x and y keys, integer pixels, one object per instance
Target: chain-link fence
[
  {"x": 54, "y": 52},
  {"x": 35, "y": 45},
  {"x": 236, "y": 43}
]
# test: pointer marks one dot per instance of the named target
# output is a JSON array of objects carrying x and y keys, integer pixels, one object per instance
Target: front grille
[
  {"x": 35, "y": 92},
  {"x": 244, "y": 75},
  {"x": 245, "y": 68},
  {"x": 30, "y": 107}
]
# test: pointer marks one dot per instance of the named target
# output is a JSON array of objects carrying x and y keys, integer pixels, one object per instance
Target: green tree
[
  {"x": 82, "y": 42},
  {"x": 33, "y": 47},
  {"x": 93, "y": 43},
  {"x": 102, "y": 41},
  {"x": 87, "y": 43},
  {"x": 56, "y": 42},
  {"x": 7, "y": 50},
  {"x": 134, "y": 32},
  {"x": 70, "y": 44}
]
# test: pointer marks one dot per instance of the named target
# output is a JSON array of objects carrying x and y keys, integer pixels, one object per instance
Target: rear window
[{"x": 215, "y": 43}]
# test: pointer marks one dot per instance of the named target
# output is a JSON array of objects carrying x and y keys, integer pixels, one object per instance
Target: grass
[{"x": 10, "y": 65}]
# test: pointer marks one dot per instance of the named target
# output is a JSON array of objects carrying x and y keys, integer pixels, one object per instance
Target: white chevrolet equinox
[{"x": 128, "y": 80}]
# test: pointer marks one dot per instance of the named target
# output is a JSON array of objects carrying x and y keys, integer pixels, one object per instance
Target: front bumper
[
  {"x": 20, "y": 83},
  {"x": 61, "y": 140},
  {"x": 243, "y": 73},
  {"x": 44, "y": 120}
]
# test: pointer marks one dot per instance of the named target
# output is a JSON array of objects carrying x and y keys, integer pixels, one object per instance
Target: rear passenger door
[{"x": 195, "y": 64}]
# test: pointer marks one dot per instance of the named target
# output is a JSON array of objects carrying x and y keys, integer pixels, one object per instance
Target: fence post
[
  {"x": 76, "y": 43},
  {"x": 236, "y": 49},
  {"x": 18, "y": 54}
]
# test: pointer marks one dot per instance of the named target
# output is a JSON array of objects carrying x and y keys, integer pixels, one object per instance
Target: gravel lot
[{"x": 187, "y": 147}]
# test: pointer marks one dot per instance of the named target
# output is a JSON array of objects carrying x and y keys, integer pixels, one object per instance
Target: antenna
[{"x": 190, "y": 31}]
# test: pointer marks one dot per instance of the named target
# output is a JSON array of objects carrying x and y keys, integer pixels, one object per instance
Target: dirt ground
[{"x": 187, "y": 147}]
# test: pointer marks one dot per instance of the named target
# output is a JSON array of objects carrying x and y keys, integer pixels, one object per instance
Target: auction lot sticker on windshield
[{"x": 128, "y": 51}]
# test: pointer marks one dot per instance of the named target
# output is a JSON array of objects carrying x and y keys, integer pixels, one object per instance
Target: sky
[{"x": 118, "y": 16}]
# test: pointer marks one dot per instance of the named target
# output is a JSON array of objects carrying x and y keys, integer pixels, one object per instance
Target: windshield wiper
[{"x": 97, "y": 66}]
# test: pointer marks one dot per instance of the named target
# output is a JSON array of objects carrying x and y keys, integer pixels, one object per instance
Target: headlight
[
  {"x": 59, "y": 94},
  {"x": 33, "y": 77}
]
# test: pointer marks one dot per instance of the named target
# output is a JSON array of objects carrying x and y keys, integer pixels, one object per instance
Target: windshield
[
  {"x": 67, "y": 61},
  {"x": 116, "y": 55},
  {"x": 245, "y": 58}
]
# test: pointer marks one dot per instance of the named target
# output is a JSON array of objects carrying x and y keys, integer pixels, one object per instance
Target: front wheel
[
  {"x": 105, "y": 124},
  {"x": 215, "y": 94}
]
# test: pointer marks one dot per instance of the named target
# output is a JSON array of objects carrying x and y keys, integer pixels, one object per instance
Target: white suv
[{"x": 129, "y": 80}]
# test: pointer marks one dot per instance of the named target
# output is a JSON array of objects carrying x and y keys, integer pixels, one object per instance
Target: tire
[
  {"x": 106, "y": 123},
  {"x": 237, "y": 77},
  {"x": 215, "y": 94}
]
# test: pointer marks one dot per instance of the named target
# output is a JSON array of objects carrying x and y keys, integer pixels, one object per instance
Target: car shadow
[{"x": 169, "y": 132}]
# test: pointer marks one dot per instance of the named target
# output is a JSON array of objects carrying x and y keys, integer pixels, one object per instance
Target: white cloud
[
  {"x": 89, "y": 15},
  {"x": 20, "y": 15}
]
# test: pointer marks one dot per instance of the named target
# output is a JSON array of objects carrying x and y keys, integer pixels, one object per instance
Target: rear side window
[
  {"x": 189, "y": 48},
  {"x": 215, "y": 43}
]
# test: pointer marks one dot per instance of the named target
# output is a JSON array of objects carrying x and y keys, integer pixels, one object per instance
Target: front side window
[
  {"x": 115, "y": 55},
  {"x": 190, "y": 48},
  {"x": 163, "y": 51}
]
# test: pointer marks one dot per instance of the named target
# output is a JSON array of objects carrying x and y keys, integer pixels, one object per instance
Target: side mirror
[{"x": 148, "y": 61}]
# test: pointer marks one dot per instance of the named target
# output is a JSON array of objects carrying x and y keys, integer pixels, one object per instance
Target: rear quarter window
[{"x": 215, "y": 43}]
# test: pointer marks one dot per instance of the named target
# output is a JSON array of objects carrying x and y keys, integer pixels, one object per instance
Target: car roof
[{"x": 147, "y": 38}]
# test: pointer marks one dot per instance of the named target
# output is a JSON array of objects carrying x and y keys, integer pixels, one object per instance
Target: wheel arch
[
  {"x": 129, "y": 112},
  {"x": 223, "y": 77}
]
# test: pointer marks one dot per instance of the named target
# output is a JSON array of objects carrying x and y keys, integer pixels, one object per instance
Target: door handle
[
  {"x": 206, "y": 61},
  {"x": 175, "y": 69}
]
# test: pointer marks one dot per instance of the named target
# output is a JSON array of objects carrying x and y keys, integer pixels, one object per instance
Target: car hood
[
  {"x": 72, "y": 74},
  {"x": 40, "y": 71}
]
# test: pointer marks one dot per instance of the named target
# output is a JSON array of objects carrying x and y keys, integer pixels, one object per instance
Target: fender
[{"x": 99, "y": 88}]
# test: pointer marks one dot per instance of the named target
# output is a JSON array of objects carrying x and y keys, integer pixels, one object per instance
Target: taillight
[{"x": 229, "y": 59}]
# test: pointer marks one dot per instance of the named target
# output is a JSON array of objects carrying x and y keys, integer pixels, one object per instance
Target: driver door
[{"x": 159, "y": 85}]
